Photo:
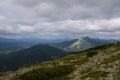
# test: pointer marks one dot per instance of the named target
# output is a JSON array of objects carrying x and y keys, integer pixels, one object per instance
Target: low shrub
[
  {"x": 52, "y": 73},
  {"x": 91, "y": 53}
]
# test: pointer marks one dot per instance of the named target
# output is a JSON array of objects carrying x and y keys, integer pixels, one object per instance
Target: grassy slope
[{"x": 80, "y": 66}]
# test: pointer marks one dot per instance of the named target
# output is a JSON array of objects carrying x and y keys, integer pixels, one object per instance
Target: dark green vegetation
[
  {"x": 31, "y": 56},
  {"x": 13, "y": 50},
  {"x": 91, "y": 53},
  {"x": 95, "y": 75},
  {"x": 118, "y": 73},
  {"x": 51, "y": 73},
  {"x": 6, "y": 53},
  {"x": 1, "y": 73}
]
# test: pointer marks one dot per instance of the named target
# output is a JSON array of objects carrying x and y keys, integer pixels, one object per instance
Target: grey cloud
[
  {"x": 59, "y": 18},
  {"x": 82, "y": 9},
  {"x": 27, "y": 3}
]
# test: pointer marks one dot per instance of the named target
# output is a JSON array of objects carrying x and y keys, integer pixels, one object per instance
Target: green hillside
[
  {"x": 99, "y": 63},
  {"x": 29, "y": 56},
  {"x": 6, "y": 53}
]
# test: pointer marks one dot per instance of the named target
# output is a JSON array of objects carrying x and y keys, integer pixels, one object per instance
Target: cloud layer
[{"x": 60, "y": 18}]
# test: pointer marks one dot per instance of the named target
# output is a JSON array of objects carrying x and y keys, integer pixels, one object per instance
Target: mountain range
[
  {"x": 81, "y": 44},
  {"x": 11, "y": 44},
  {"x": 99, "y": 63},
  {"x": 65, "y": 44},
  {"x": 16, "y": 53}
]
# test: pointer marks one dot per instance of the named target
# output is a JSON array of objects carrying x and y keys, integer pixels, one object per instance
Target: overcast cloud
[{"x": 60, "y": 18}]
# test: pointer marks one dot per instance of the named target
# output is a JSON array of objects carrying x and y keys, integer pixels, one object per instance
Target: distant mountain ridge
[
  {"x": 43, "y": 52},
  {"x": 82, "y": 44},
  {"x": 65, "y": 44},
  {"x": 10, "y": 43}
]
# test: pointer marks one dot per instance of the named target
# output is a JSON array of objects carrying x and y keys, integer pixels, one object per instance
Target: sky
[{"x": 60, "y": 18}]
